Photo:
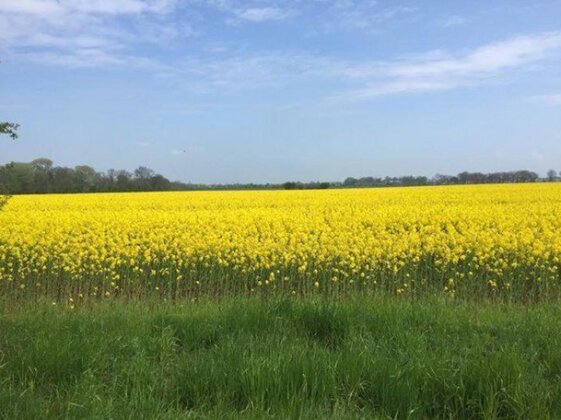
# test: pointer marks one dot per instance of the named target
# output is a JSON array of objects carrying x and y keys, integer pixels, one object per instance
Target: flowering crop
[{"x": 483, "y": 240}]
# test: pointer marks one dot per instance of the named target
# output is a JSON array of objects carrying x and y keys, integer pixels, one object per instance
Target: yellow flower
[{"x": 461, "y": 235}]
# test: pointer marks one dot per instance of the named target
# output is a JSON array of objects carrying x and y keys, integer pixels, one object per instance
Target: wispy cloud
[
  {"x": 367, "y": 15},
  {"x": 83, "y": 32},
  {"x": 252, "y": 71},
  {"x": 553, "y": 99},
  {"x": 45, "y": 8},
  {"x": 252, "y": 11},
  {"x": 105, "y": 33},
  {"x": 361, "y": 80},
  {"x": 447, "y": 71},
  {"x": 452, "y": 21},
  {"x": 263, "y": 14},
  {"x": 361, "y": 15}
]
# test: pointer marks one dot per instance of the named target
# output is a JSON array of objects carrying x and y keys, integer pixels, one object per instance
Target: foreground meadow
[
  {"x": 468, "y": 241},
  {"x": 371, "y": 358}
]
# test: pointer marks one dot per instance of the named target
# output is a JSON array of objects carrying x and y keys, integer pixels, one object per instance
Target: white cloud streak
[
  {"x": 90, "y": 33},
  {"x": 48, "y": 8},
  {"x": 362, "y": 80},
  {"x": 263, "y": 14},
  {"x": 82, "y": 33},
  {"x": 484, "y": 60},
  {"x": 447, "y": 71},
  {"x": 251, "y": 11}
]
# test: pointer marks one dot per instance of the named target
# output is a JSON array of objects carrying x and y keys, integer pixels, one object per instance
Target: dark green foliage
[
  {"x": 289, "y": 358},
  {"x": 40, "y": 176},
  {"x": 323, "y": 325},
  {"x": 3, "y": 200},
  {"x": 306, "y": 186},
  {"x": 10, "y": 129},
  {"x": 439, "y": 179}
]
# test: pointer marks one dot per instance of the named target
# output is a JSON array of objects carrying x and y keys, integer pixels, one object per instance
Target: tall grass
[
  {"x": 280, "y": 358},
  {"x": 521, "y": 284}
]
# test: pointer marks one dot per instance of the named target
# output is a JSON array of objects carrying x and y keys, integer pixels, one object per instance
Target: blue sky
[{"x": 270, "y": 90}]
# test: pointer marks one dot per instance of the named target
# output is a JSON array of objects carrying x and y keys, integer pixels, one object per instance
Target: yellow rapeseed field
[{"x": 466, "y": 240}]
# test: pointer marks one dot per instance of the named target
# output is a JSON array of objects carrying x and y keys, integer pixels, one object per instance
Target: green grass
[{"x": 291, "y": 358}]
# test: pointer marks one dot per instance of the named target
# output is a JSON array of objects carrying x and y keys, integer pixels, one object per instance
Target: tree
[
  {"x": 144, "y": 173},
  {"x": 42, "y": 164},
  {"x": 350, "y": 182},
  {"x": 17, "y": 177},
  {"x": 443, "y": 179},
  {"x": 85, "y": 178},
  {"x": 63, "y": 180},
  {"x": 143, "y": 177},
  {"x": 159, "y": 183},
  {"x": 123, "y": 180},
  {"x": 551, "y": 175},
  {"x": 42, "y": 174},
  {"x": 9, "y": 129}
]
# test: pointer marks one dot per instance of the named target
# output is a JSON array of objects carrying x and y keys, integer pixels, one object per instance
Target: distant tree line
[
  {"x": 461, "y": 179},
  {"x": 41, "y": 176}
]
